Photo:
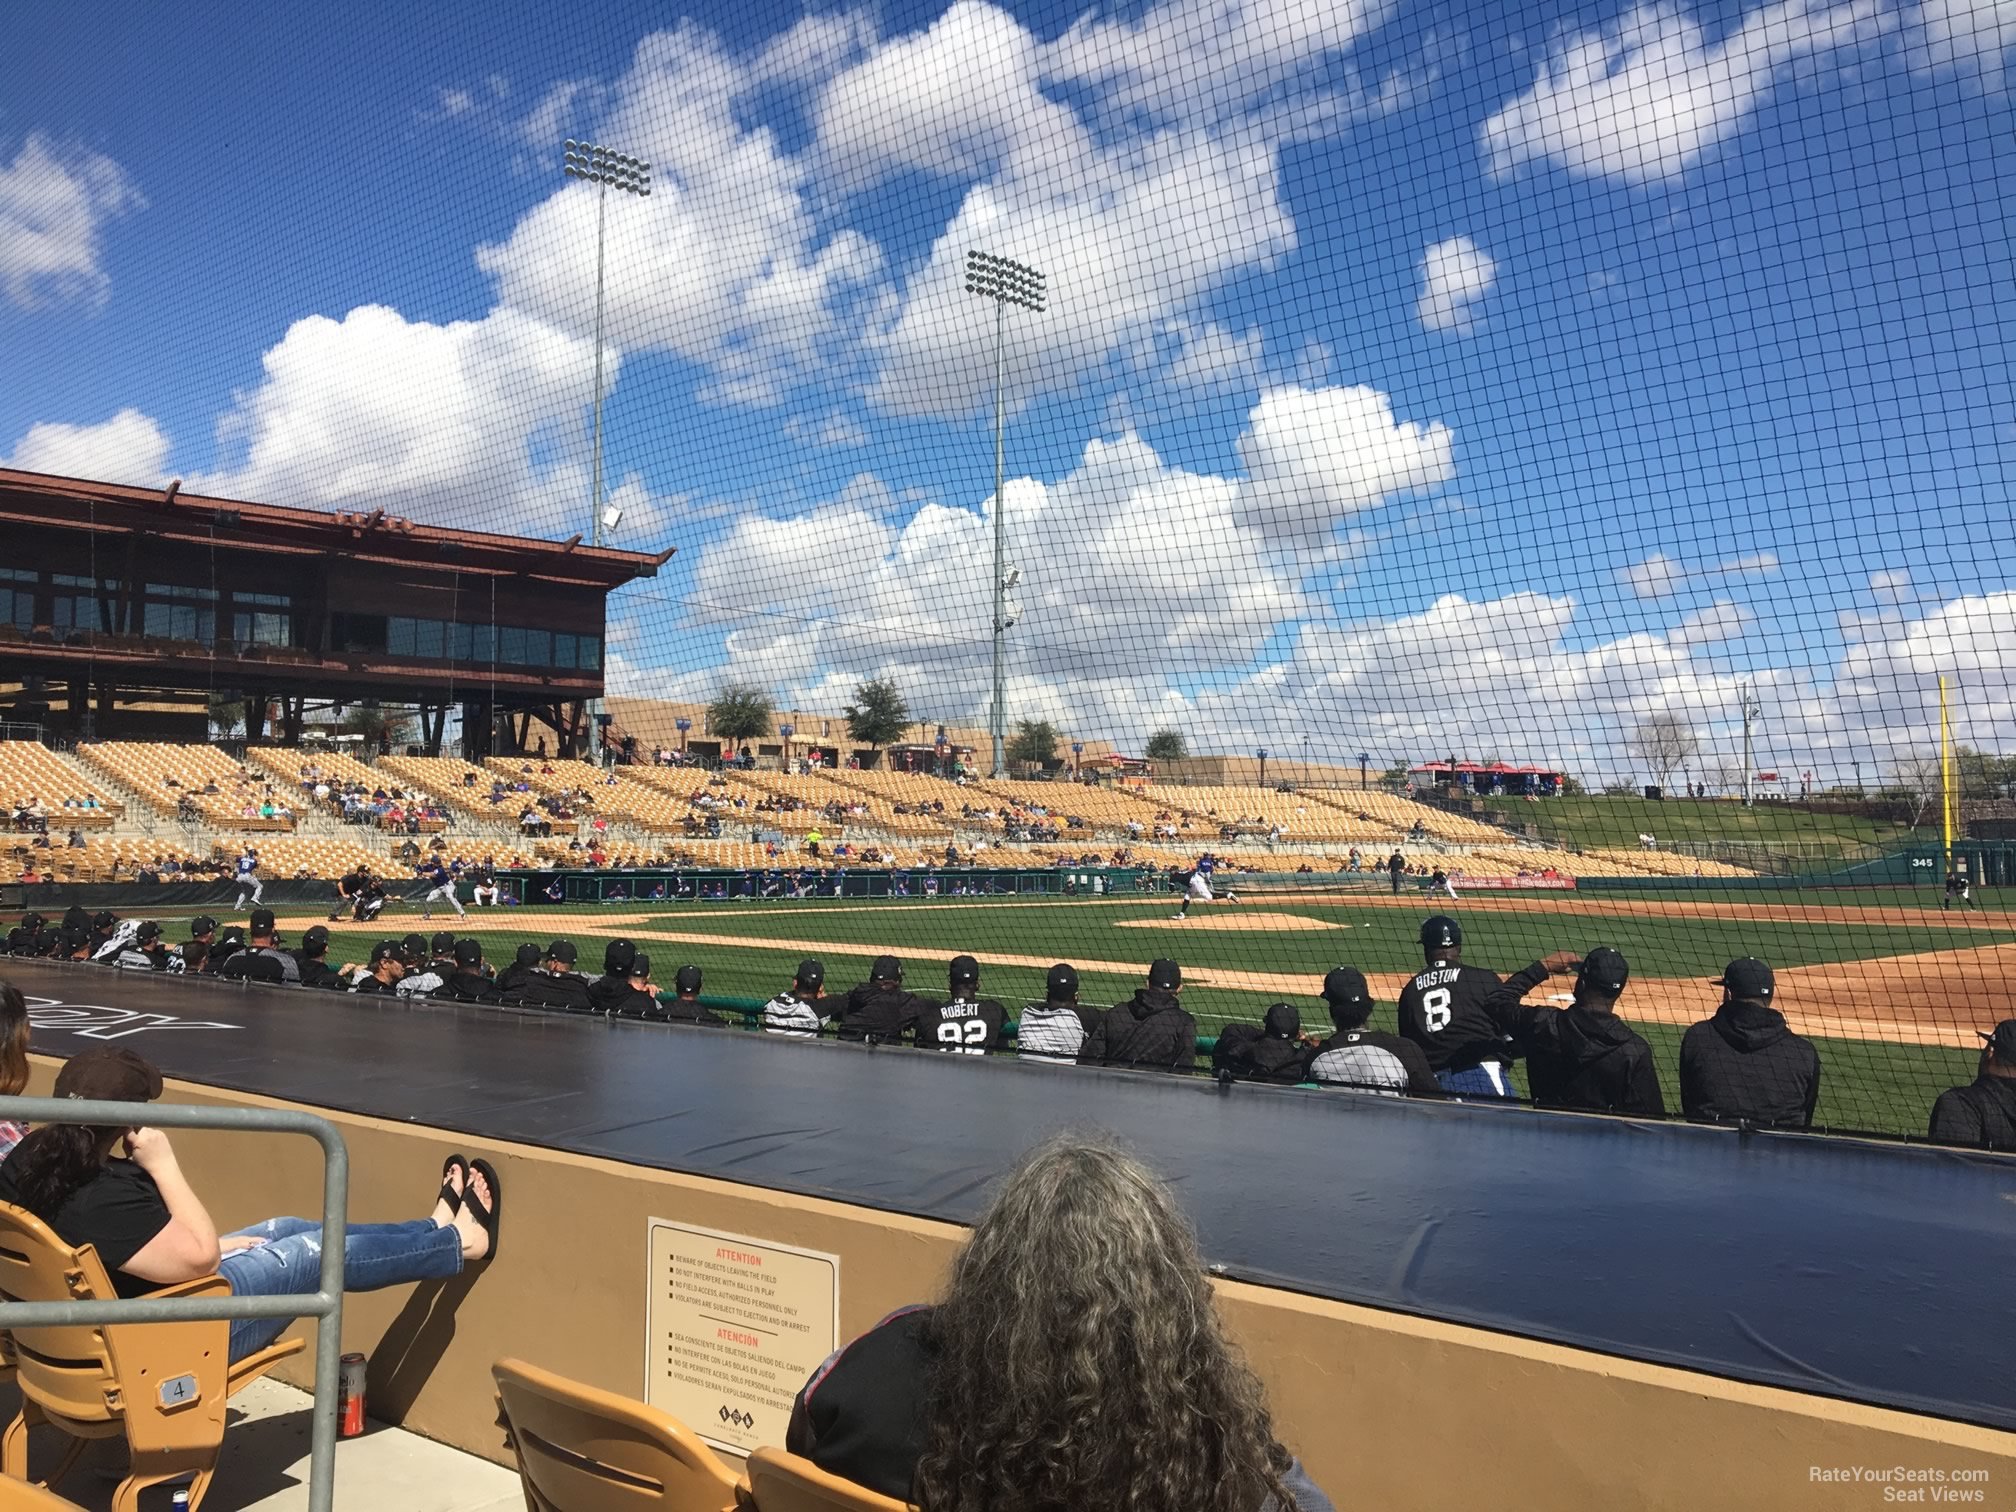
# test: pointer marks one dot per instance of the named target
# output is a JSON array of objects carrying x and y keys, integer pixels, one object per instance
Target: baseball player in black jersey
[
  {"x": 1444, "y": 1010},
  {"x": 966, "y": 1022}
]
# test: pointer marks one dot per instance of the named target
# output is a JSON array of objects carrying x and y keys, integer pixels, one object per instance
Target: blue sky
[{"x": 1445, "y": 380}]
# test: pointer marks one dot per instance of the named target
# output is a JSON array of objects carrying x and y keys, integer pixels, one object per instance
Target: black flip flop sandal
[
  {"x": 486, "y": 1218},
  {"x": 448, "y": 1193}
]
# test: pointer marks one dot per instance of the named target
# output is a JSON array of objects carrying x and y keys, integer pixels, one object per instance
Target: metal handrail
[{"x": 326, "y": 1305}]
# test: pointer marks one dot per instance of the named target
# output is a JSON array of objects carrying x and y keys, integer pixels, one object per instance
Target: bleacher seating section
[
  {"x": 164, "y": 775},
  {"x": 31, "y": 771}
]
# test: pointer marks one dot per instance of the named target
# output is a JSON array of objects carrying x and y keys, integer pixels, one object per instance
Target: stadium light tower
[
  {"x": 1752, "y": 710},
  {"x": 608, "y": 169},
  {"x": 1005, "y": 282}
]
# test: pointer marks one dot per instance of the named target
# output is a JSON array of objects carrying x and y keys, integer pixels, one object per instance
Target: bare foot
[
  {"x": 444, "y": 1211},
  {"x": 475, "y": 1241}
]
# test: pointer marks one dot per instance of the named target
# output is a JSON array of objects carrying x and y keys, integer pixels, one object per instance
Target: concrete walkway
[{"x": 264, "y": 1467}]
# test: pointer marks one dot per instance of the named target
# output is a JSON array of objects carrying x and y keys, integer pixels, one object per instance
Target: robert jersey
[
  {"x": 1443, "y": 1011},
  {"x": 971, "y": 1026}
]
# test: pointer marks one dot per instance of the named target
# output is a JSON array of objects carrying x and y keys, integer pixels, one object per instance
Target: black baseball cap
[
  {"x": 2002, "y": 1040},
  {"x": 1749, "y": 980},
  {"x": 1441, "y": 933},
  {"x": 76, "y": 916},
  {"x": 563, "y": 950},
  {"x": 964, "y": 969},
  {"x": 444, "y": 943},
  {"x": 316, "y": 939},
  {"x": 886, "y": 969},
  {"x": 414, "y": 946},
  {"x": 201, "y": 927},
  {"x": 1603, "y": 970},
  {"x": 1062, "y": 982},
  {"x": 617, "y": 956},
  {"x": 528, "y": 954},
  {"x": 1344, "y": 987},
  {"x": 32, "y": 921},
  {"x": 1165, "y": 974},
  {"x": 386, "y": 950},
  {"x": 640, "y": 966},
  {"x": 262, "y": 921},
  {"x": 687, "y": 979},
  {"x": 105, "y": 920},
  {"x": 468, "y": 952},
  {"x": 233, "y": 936},
  {"x": 811, "y": 973},
  {"x": 147, "y": 931}
]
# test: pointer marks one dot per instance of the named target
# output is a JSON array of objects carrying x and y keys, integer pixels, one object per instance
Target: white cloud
[
  {"x": 1719, "y": 623},
  {"x": 1758, "y": 564},
  {"x": 54, "y": 203},
  {"x": 1455, "y": 276},
  {"x": 1890, "y": 586},
  {"x": 1646, "y": 98},
  {"x": 1973, "y": 39},
  {"x": 1313, "y": 456},
  {"x": 1211, "y": 359},
  {"x": 128, "y": 448},
  {"x": 1658, "y": 576},
  {"x": 815, "y": 48}
]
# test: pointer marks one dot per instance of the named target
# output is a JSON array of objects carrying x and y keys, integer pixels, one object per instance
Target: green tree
[
  {"x": 1034, "y": 742},
  {"x": 740, "y": 712},
  {"x": 380, "y": 727},
  {"x": 878, "y": 714},
  {"x": 227, "y": 712},
  {"x": 1167, "y": 745}
]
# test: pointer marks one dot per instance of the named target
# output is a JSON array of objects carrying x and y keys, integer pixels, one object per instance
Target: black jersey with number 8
[{"x": 1443, "y": 1011}]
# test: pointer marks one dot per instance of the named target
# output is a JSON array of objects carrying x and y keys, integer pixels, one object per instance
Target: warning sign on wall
[{"x": 735, "y": 1326}]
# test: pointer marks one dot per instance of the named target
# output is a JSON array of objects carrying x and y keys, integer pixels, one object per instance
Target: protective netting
[{"x": 1565, "y": 448}]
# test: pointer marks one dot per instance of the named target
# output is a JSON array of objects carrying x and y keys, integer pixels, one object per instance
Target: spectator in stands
[
  {"x": 13, "y": 1060},
  {"x": 1582, "y": 1057},
  {"x": 470, "y": 981},
  {"x": 1983, "y": 1113},
  {"x": 964, "y": 1022},
  {"x": 1358, "y": 1059},
  {"x": 558, "y": 985},
  {"x": 1744, "y": 1065},
  {"x": 383, "y": 974},
  {"x": 313, "y": 961},
  {"x": 151, "y": 1230},
  {"x": 610, "y": 990},
  {"x": 800, "y": 1010},
  {"x": 262, "y": 959},
  {"x": 248, "y": 879},
  {"x": 1149, "y": 1031},
  {"x": 1021, "y": 1388},
  {"x": 684, "y": 1007},
  {"x": 1270, "y": 1051},
  {"x": 512, "y": 979},
  {"x": 879, "y": 1010}
]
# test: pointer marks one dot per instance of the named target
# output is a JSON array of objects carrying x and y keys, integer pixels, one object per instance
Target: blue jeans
[
  {"x": 375, "y": 1256},
  {"x": 1489, "y": 1079}
]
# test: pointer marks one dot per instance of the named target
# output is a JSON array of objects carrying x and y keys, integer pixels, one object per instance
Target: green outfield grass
[
  {"x": 1877, "y": 1087},
  {"x": 1614, "y": 823}
]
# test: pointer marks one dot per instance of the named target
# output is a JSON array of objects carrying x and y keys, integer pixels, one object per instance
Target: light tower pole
[
  {"x": 1005, "y": 282},
  {"x": 1752, "y": 709}
]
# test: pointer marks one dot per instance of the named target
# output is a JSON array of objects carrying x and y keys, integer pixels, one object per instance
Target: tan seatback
[{"x": 781, "y": 1482}]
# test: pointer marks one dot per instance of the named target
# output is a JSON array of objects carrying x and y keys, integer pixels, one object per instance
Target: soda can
[{"x": 350, "y": 1397}]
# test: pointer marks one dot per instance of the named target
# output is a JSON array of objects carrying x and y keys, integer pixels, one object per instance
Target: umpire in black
[{"x": 1983, "y": 1113}]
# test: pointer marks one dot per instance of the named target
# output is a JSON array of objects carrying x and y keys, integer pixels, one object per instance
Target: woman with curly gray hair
[{"x": 1076, "y": 1361}]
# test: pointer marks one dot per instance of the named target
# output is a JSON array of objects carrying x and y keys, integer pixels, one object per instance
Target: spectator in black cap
[
  {"x": 611, "y": 990},
  {"x": 1271, "y": 1051},
  {"x": 262, "y": 959},
  {"x": 143, "y": 951},
  {"x": 1358, "y": 1059},
  {"x": 1744, "y": 1065},
  {"x": 313, "y": 960},
  {"x": 800, "y": 1010},
  {"x": 470, "y": 981},
  {"x": 1149, "y": 1031},
  {"x": 1054, "y": 1030},
  {"x": 203, "y": 938},
  {"x": 1582, "y": 1057},
  {"x": 880, "y": 1011},
  {"x": 558, "y": 986},
  {"x": 965, "y": 1022},
  {"x": 1983, "y": 1113},
  {"x": 388, "y": 965},
  {"x": 512, "y": 980},
  {"x": 683, "y": 1007}
]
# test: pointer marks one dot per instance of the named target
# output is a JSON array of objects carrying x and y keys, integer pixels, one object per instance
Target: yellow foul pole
[{"x": 1945, "y": 778}]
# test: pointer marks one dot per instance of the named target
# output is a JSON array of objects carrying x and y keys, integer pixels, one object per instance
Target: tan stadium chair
[
  {"x": 581, "y": 1449},
  {"x": 20, "y": 1496},
  {"x": 781, "y": 1482},
  {"x": 162, "y": 1387}
]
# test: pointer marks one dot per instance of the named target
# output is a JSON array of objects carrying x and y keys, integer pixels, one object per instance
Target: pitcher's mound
[{"x": 1232, "y": 916}]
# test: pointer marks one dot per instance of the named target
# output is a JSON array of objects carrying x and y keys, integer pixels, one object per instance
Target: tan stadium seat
[
  {"x": 29, "y": 770},
  {"x": 581, "y": 1449},
  {"x": 20, "y": 1496},
  {"x": 781, "y": 1482},
  {"x": 109, "y": 1381}
]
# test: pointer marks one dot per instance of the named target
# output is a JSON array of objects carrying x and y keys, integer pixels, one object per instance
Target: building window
[
  {"x": 358, "y": 632},
  {"x": 17, "y": 598},
  {"x": 564, "y": 654},
  {"x": 74, "y": 610}
]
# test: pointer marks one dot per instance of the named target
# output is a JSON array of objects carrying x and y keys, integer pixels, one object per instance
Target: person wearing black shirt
[
  {"x": 424, "y": 976},
  {"x": 1983, "y": 1113},
  {"x": 483, "y": 883},
  {"x": 469, "y": 982},
  {"x": 1442, "y": 1009},
  {"x": 1582, "y": 1057},
  {"x": 349, "y": 887},
  {"x": 262, "y": 960},
  {"x": 203, "y": 939},
  {"x": 611, "y": 990},
  {"x": 684, "y": 1007},
  {"x": 1271, "y": 1051},
  {"x": 1358, "y": 1059},
  {"x": 22, "y": 940},
  {"x": 1745, "y": 1065},
  {"x": 388, "y": 965},
  {"x": 879, "y": 1011},
  {"x": 370, "y": 900},
  {"x": 559, "y": 986},
  {"x": 965, "y": 1022},
  {"x": 1396, "y": 868},
  {"x": 1053, "y": 1031},
  {"x": 512, "y": 980},
  {"x": 313, "y": 960},
  {"x": 1149, "y": 1031}
]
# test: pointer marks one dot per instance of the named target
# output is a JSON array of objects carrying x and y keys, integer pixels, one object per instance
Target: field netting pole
[{"x": 1945, "y": 782}]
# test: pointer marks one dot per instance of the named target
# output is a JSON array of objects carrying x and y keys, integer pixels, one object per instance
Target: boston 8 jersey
[{"x": 1442, "y": 1009}]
